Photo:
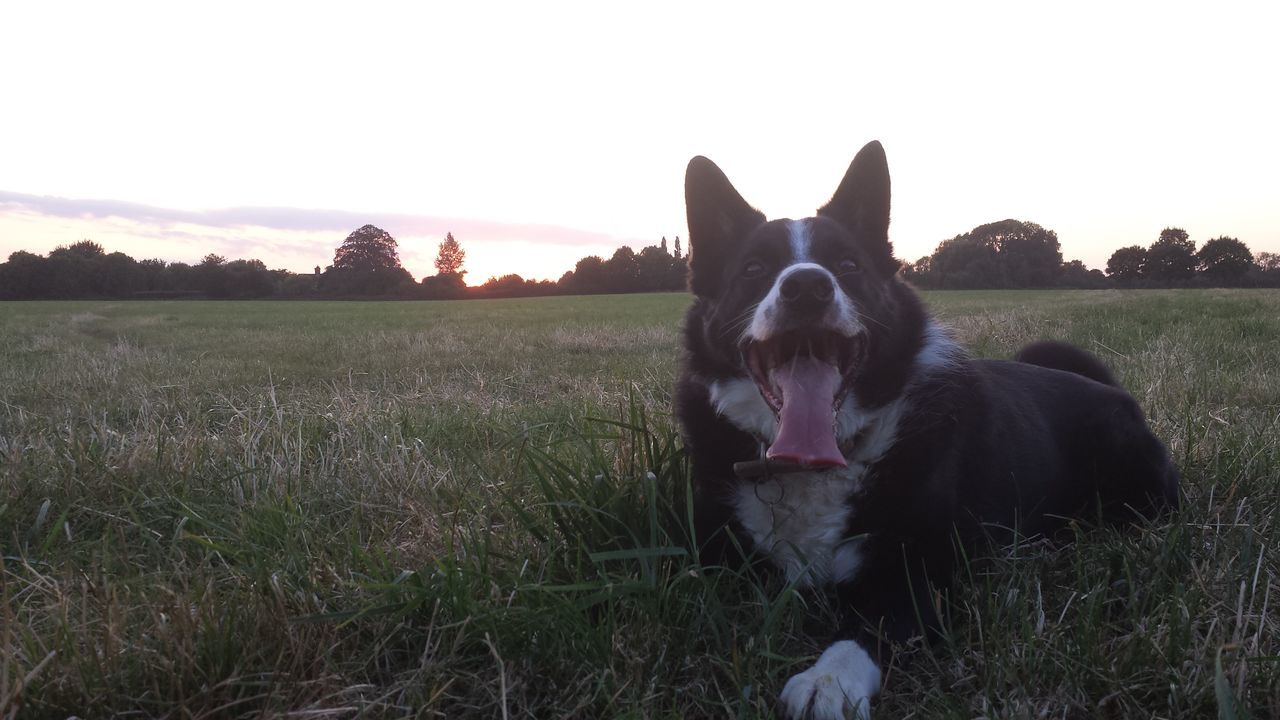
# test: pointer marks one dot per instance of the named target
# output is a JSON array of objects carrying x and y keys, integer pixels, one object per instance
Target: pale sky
[{"x": 541, "y": 132}]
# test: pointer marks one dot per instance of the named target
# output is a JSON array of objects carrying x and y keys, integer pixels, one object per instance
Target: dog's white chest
[{"x": 799, "y": 521}]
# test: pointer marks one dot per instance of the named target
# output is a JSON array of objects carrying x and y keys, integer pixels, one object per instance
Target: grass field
[{"x": 479, "y": 509}]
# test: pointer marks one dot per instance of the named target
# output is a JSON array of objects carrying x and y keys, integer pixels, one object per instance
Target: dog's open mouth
[{"x": 804, "y": 377}]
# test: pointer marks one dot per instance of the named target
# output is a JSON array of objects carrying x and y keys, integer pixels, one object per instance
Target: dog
[{"x": 839, "y": 433}]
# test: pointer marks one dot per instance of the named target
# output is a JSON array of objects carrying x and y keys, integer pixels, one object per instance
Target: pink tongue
[{"x": 806, "y": 427}]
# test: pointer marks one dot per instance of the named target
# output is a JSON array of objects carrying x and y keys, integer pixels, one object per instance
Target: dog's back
[
  {"x": 1103, "y": 429},
  {"x": 1065, "y": 356}
]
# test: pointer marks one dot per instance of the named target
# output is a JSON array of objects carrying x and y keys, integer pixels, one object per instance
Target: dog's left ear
[
  {"x": 718, "y": 219},
  {"x": 861, "y": 204}
]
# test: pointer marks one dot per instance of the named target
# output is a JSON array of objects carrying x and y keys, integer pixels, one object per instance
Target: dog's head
[{"x": 796, "y": 305}]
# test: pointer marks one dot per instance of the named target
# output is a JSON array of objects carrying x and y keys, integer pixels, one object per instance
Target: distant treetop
[
  {"x": 450, "y": 257},
  {"x": 369, "y": 248}
]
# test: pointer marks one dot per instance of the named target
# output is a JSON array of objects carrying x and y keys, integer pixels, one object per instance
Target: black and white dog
[{"x": 839, "y": 432}]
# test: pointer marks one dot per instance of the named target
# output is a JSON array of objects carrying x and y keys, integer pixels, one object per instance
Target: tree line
[
  {"x": 1004, "y": 254},
  {"x": 1018, "y": 254},
  {"x": 365, "y": 265}
]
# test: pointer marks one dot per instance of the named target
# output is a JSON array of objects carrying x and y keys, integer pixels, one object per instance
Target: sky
[{"x": 538, "y": 133}]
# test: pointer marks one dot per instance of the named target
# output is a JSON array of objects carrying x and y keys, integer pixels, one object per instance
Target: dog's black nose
[{"x": 807, "y": 289}]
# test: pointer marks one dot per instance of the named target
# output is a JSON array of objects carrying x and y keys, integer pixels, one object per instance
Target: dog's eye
[
  {"x": 753, "y": 269},
  {"x": 848, "y": 266}
]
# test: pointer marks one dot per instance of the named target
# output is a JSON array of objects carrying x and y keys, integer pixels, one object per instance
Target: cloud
[{"x": 304, "y": 220}]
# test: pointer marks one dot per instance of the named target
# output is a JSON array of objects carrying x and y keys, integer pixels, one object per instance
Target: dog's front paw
[{"x": 838, "y": 687}]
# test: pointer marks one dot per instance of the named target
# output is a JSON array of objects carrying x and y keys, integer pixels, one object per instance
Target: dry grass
[{"x": 477, "y": 510}]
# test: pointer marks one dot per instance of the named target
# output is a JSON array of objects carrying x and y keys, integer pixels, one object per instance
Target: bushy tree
[
  {"x": 85, "y": 249},
  {"x": 622, "y": 271},
  {"x": 1008, "y": 253},
  {"x": 118, "y": 275},
  {"x": 151, "y": 275},
  {"x": 181, "y": 278},
  {"x": 965, "y": 261},
  {"x": 513, "y": 286},
  {"x": 654, "y": 266},
  {"x": 1126, "y": 264},
  {"x": 1225, "y": 260},
  {"x": 212, "y": 276},
  {"x": 588, "y": 276},
  {"x": 375, "y": 282},
  {"x": 25, "y": 276},
  {"x": 1029, "y": 254},
  {"x": 367, "y": 249},
  {"x": 1076, "y": 275},
  {"x": 1171, "y": 259},
  {"x": 367, "y": 263},
  {"x": 917, "y": 273},
  {"x": 73, "y": 270},
  {"x": 1268, "y": 269},
  {"x": 248, "y": 279},
  {"x": 443, "y": 286}
]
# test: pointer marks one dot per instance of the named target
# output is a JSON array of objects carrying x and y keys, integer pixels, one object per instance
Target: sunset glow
[{"x": 538, "y": 135}]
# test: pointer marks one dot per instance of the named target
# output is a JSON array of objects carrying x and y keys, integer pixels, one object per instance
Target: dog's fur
[{"x": 941, "y": 452}]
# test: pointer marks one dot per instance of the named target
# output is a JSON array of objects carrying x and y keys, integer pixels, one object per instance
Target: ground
[{"x": 479, "y": 509}]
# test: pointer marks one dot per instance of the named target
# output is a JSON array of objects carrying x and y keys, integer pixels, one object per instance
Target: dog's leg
[
  {"x": 890, "y": 601},
  {"x": 840, "y": 685}
]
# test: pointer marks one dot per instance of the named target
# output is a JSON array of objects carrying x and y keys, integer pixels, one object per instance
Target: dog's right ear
[{"x": 718, "y": 219}]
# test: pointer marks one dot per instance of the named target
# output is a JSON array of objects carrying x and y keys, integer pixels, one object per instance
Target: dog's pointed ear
[
  {"x": 861, "y": 204},
  {"x": 718, "y": 219}
]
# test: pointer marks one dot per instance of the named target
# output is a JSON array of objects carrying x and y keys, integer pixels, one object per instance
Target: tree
[
  {"x": 151, "y": 275},
  {"x": 347, "y": 282},
  {"x": 1008, "y": 253},
  {"x": 248, "y": 278},
  {"x": 1225, "y": 260},
  {"x": 1268, "y": 272},
  {"x": 450, "y": 256},
  {"x": 588, "y": 276},
  {"x": 85, "y": 249},
  {"x": 1029, "y": 255},
  {"x": 367, "y": 249},
  {"x": 677, "y": 253},
  {"x": 1076, "y": 275},
  {"x": 654, "y": 265},
  {"x": 510, "y": 285},
  {"x": 443, "y": 286},
  {"x": 917, "y": 273},
  {"x": 965, "y": 261},
  {"x": 24, "y": 277},
  {"x": 622, "y": 271},
  {"x": 119, "y": 275},
  {"x": 1126, "y": 263},
  {"x": 678, "y": 275},
  {"x": 1172, "y": 258},
  {"x": 211, "y": 276},
  {"x": 181, "y": 278},
  {"x": 75, "y": 270}
]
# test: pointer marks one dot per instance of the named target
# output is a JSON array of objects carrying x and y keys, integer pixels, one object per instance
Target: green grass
[{"x": 480, "y": 509}]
